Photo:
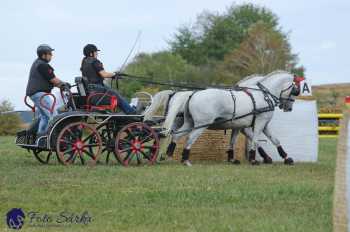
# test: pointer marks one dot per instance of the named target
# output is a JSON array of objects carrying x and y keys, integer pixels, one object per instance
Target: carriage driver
[
  {"x": 93, "y": 70},
  {"x": 41, "y": 81}
]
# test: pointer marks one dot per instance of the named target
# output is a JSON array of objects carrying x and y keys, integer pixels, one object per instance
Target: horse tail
[
  {"x": 177, "y": 105},
  {"x": 159, "y": 99}
]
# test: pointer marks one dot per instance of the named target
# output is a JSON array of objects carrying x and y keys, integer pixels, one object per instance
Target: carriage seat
[
  {"x": 92, "y": 100},
  {"x": 82, "y": 86}
]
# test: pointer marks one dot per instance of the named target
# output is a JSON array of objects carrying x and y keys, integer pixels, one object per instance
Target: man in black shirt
[
  {"x": 93, "y": 70},
  {"x": 41, "y": 81}
]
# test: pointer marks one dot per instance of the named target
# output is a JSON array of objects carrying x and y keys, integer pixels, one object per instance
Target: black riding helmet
[
  {"x": 44, "y": 49},
  {"x": 90, "y": 48}
]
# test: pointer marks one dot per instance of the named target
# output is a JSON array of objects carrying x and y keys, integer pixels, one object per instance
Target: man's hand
[
  {"x": 116, "y": 75},
  {"x": 64, "y": 85}
]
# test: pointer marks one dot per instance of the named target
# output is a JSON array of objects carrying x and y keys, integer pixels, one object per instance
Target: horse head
[{"x": 290, "y": 90}]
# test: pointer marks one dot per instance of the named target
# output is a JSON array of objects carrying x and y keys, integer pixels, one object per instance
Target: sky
[{"x": 318, "y": 32}]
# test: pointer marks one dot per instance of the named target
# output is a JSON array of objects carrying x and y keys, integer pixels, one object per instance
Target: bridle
[{"x": 294, "y": 90}]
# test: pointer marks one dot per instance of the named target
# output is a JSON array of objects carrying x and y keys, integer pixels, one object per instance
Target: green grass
[{"x": 170, "y": 197}]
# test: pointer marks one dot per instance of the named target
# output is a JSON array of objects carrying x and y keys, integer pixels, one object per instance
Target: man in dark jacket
[
  {"x": 41, "y": 81},
  {"x": 93, "y": 70}
]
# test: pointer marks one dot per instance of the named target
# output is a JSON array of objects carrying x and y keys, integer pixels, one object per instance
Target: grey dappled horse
[{"x": 234, "y": 109}]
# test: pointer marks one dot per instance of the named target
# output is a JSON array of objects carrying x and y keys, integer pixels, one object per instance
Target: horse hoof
[
  {"x": 187, "y": 163},
  {"x": 234, "y": 161},
  {"x": 254, "y": 162},
  {"x": 288, "y": 161},
  {"x": 268, "y": 160},
  {"x": 237, "y": 162}
]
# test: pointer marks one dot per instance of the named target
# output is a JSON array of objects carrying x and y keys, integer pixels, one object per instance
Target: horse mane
[
  {"x": 248, "y": 78},
  {"x": 271, "y": 74},
  {"x": 277, "y": 72},
  {"x": 264, "y": 77}
]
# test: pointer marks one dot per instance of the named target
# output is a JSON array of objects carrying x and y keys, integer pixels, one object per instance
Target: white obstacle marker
[
  {"x": 305, "y": 88},
  {"x": 297, "y": 132}
]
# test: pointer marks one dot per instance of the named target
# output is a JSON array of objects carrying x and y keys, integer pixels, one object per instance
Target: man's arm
[
  {"x": 101, "y": 71},
  {"x": 48, "y": 72},
  {"x": 105, "y": 74},
  {"x": 56, "y": 81}
]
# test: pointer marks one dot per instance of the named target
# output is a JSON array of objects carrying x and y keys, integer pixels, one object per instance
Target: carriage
[{"x": 88, "y": 130}]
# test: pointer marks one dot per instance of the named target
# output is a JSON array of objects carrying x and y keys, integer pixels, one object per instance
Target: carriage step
[{"x": 29, "y": 140}]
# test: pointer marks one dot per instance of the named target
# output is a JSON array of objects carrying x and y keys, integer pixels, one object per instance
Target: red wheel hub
[
  {"x": 78, "y": 146},
  {"x": 136, "y": 146}
]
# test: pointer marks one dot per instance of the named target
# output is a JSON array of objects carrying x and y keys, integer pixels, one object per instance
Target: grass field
[{"x": 170, "y": 197}]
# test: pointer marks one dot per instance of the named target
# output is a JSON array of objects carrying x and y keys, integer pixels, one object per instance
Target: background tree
[
  {"x": 9, "y": 123},
  {"x": 219, "y": 48},
  {"x": 263, "y": 51},
  {"x": 214, "y": 35}
]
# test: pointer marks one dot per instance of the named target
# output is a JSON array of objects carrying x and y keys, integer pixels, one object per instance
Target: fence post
[{"x": 340, "y": 205}]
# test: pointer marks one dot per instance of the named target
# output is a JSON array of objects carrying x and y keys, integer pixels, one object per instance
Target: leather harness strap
[
  {"x": 255, "y": 111},
  {"x": 167, "y": 104},
  {"x": 234, "y": 104},
  {"x": 254, "y": 106}
]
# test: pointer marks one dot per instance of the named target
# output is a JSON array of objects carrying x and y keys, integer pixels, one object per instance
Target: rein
[{"x": 143, "y": 79}]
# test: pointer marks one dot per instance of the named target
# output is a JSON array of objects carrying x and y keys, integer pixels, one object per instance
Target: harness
[
  {"x": 269, "y": 98},
  {"x": 167, "y": 104}
]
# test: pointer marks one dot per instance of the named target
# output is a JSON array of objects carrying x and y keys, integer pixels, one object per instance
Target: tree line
[{"x": 218, "y": 49}]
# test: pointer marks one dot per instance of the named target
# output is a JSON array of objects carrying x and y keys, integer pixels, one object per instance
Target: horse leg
[
  {"x": 171, "y": 149},
  {"x": 260, "y": 123},
  {"x": 248, "y": 132},
  {"x": 193, "y": 136},
  {"x": 172, "y": 146},
  {"x": 230, "y": 151},
  {"x": 176, "y": 136},
  {"x": 276, "y": 142}
]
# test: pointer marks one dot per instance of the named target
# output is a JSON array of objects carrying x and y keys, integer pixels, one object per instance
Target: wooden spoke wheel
[
  {"x": 42, "y": 156},
  {"x": 79, "y": 142},
  {"x": 136, "y": 144}
]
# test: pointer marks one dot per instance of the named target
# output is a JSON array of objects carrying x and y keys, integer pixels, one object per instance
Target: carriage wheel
[
  {"x": 79, "y": 141},
  {"x": 42, "y": 156},
  {"x": 136, "y": 143},
  {"x": 107, "y": 146}
]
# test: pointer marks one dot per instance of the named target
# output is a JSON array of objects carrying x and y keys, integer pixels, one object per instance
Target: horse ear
[{"x": 298, "y": 79}]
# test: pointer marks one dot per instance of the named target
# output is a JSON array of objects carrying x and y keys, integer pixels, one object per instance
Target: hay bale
[{"x": 212, "y": 146}]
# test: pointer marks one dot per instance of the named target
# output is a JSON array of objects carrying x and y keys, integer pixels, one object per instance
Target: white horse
[
  {"x": 176, "y": 101},
  {"x": 222, "y": 112},
  {"x": 174, "y": 104}
]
